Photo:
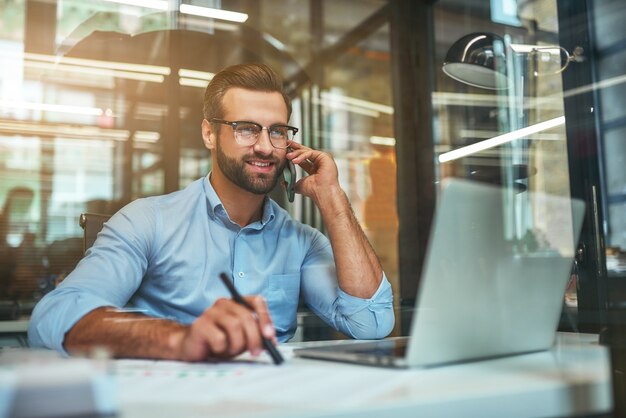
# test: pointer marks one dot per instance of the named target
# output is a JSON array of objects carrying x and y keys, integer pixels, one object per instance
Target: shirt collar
[
  {"x": 214, "y": 205},
  {"x": 211, "y": 196},
  {"x": 268, "y": 211}
]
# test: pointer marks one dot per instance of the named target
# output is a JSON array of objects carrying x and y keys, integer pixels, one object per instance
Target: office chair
[{"x": 91, "y": 224}]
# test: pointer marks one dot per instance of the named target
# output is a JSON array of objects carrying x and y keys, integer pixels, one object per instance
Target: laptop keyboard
[{"x": 384, "y": 348}]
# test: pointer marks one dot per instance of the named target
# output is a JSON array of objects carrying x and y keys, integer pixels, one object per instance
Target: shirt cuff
[
  {"x": 51, "y": 319},
  {"x": 382, "y": 299}
]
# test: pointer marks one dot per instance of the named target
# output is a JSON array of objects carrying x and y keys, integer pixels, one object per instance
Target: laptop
[{"x": 493, "y": 282}]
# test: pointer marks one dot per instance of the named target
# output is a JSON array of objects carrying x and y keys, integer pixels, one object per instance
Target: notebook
[{"x": 493, "y": 282}]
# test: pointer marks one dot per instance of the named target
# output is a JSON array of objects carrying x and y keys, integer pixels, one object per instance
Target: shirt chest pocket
[{"x": 283, "y": 294}]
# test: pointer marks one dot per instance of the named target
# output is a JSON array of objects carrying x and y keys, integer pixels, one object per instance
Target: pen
[{"x": 269, "y": 346}]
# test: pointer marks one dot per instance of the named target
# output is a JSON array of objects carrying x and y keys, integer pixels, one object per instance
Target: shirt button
[{"x": 241, "y": 274}]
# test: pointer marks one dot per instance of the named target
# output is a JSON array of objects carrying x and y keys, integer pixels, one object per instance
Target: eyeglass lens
[{"x": 248, "y": 133}]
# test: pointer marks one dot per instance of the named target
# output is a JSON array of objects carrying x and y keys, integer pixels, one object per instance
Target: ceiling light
[
  {"x": 337, "y": 105},
  {"x": 65, "y": 131},
  {"x": 202, "y": 75},
  {"x": 383, "y": 140},
  {"x": 45, "y": 107},
  {"x": 501, "y": 139},
  {"x": 148, "y": 4},
  {"x": 193, "y": 78},
  {"x": 103, "y": 72},
  {"x": 365, "y": 104},
  {"x": 193, "y": 82},
  {"x": 114, "y": 65},
  {"x": 213, "y": 13}
]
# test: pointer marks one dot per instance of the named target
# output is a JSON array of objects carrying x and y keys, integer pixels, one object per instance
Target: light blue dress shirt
[{"x": 163, "y": 255}]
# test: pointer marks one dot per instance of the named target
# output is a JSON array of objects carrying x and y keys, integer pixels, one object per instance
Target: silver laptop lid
[
  {"x": 495, "y": 273},
  {"x": 493, "y": 283}
]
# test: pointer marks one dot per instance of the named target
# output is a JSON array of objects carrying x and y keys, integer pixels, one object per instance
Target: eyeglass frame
[{"x": 233, "y": 125}]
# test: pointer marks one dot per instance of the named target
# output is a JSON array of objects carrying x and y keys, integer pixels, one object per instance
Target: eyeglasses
[{"x": 247, "y": 133}]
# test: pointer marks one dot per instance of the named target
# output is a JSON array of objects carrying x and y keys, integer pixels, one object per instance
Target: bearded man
[{"x": 150, "y": 288}]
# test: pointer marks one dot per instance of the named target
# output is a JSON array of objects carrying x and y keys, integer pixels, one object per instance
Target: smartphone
[{"x": 289, "y": 173}]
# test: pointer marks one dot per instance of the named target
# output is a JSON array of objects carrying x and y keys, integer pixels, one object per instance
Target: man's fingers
[
  {"x": 308, "y": 166},
  {"x": 312, "y": 161},
  {"x": 203, "y": 340},
  {"x": 297, "y": 150},
  {"x": 214, "y": 338},
  {"x": 264, "y": 320},
  {"x": 305, "y": 156},
  {"x": 228, "y": 329}
]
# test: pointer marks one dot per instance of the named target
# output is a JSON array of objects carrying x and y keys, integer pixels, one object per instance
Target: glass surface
[
  {"x": 611, "y": 90},
  {"x": 524, "y": 137},
  {"x": 101, "y": 103},
  {"x": 556, "y": 126},
  {"x": 514, "y": 136}
]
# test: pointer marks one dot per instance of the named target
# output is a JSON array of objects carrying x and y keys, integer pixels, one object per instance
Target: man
[{"x": 163, "y": 255}]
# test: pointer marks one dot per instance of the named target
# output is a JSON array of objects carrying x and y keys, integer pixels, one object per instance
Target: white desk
[{"x": 571, "y": 379}]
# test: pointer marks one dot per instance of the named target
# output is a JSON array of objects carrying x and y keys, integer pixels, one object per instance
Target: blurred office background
[{"x": 101, "y": 103}]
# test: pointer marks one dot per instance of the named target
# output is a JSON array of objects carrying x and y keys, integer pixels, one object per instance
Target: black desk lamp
[{"x": 479, "y": 59}]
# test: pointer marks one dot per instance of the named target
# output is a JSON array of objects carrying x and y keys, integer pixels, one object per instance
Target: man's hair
[{"x": 258, "y": 77}]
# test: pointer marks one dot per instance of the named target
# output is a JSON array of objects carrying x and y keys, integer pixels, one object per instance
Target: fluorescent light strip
[
  {"x": 213, "y": 13},
  {"x": 201, "y": 24},
  {"x": 357, "y": 102},
  {"x": 103, "y": 72},
  {"x": 114, "y": 65},
  {"x": 274, "y": 42},
  {"x": 343, "y": 106},
  {"x": 193, "y": 82},
  {"x": 485, "y": 155},
  {"x": 464, "y": 99},
  {"x": 383, "y": 140},
  {"x": 68, "y": 131},
  {"x": 148, "y": 4},
  {"x": 472, "y": 133},
  {"x": 609, "y": 82},
  {"x": 80, "y": 132},
  {"x": 102, "y": 83},
  {"x": 501, "y": 139},
  {"x": 78, "y": 110},
  {"x": 146, "y": 136},
  {"x": 525, "y": 48},
  {"x": 202, "y": 75},
  {"x": 487, "y": 100}
]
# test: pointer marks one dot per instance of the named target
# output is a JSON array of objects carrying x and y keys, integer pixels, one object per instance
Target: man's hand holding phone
[{"x": 322, "y": 179}]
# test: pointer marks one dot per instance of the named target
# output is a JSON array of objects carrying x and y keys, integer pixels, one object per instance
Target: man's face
[
  {"x": 255, "y": 168},
  {"x": 250, "y": 179}
]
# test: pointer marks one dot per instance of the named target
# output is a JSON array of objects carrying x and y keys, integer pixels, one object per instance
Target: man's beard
[{"x": 236, "y": 171}]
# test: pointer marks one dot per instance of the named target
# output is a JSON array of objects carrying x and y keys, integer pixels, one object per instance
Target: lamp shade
[{"x": 478, "y": 59}]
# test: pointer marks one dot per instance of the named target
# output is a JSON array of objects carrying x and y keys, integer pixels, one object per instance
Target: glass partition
[
  {"x": 499, "y": 113},
  {"x": 528, "y": 97},
  {"x": 101, "y": 103}
]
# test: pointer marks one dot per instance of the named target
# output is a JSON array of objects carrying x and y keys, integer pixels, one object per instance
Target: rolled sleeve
[
  {"x": 371, "y": 318},
  {"x": 356, "y": 317},
  {"x": 54, "y": 316},
  {"x": 108, "y": 275}
]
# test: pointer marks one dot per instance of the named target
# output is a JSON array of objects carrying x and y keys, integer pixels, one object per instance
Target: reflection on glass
[
  {"x": 100, "y": 104},
  {"x": 513, "y": 136}
]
